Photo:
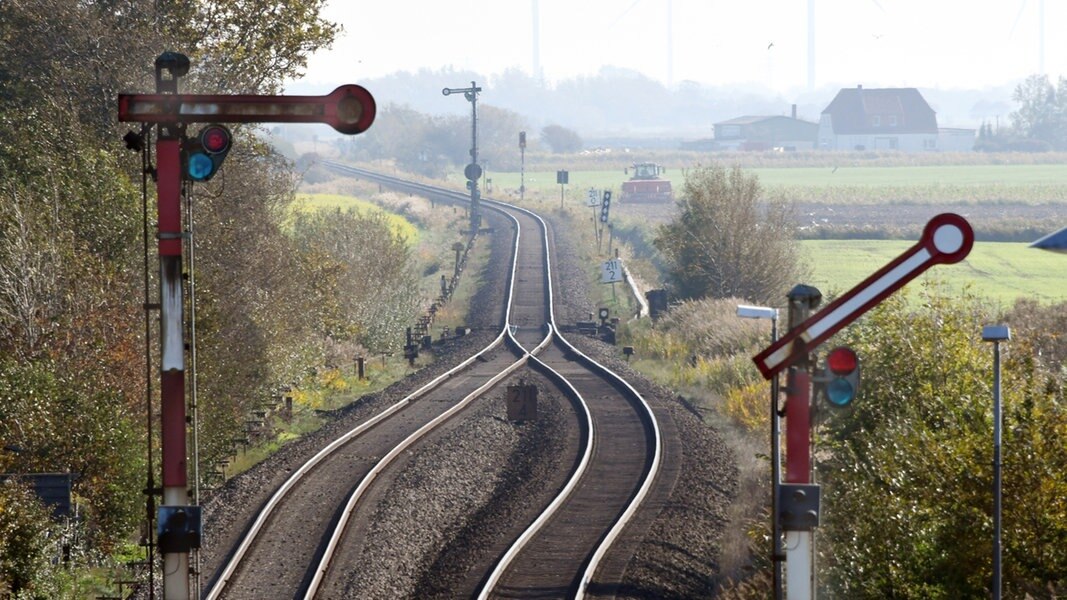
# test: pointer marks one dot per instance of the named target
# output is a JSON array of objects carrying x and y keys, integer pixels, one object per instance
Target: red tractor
[{"x": 646, "y": 186}]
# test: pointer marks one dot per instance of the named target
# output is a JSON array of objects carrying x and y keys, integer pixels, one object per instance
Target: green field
[
  {"x": 999, "y": 271},
  {"x": 942, "y": 175},
  {"x": 1025, "y": 183}
]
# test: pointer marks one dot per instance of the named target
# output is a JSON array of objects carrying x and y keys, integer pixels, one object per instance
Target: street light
[
  {"x": 762, "y": 312},
  {"x": 996, "y": 334}
]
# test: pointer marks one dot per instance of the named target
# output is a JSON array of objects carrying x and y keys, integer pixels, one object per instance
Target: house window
[
  {"x": 876, "y": 121},
  {"x": 892, "y": 120}
]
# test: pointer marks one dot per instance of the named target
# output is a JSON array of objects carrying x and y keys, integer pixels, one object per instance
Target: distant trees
[
  {"x": 432, "y": 145},
  {"x": 1038, "y": 125},
  {"x": 560, "y": 139},
  {"x": 1042, "y": 113},
  {"x": 727, "y": 242}
]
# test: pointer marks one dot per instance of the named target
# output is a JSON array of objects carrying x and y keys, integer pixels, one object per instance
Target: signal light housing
[
  {"x": 842, "y": 378},
  {"x": 203, "y": 155}
]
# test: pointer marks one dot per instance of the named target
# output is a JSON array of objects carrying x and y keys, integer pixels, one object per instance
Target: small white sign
[
  {"x": 593, "y": 197},
  {"x": 611, "y": 271}
]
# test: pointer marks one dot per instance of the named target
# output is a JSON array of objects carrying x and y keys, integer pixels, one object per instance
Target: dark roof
[{"x": 853, "y": 110}]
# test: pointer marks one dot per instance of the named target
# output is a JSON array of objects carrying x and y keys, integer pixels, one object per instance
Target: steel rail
[
  {"x": 249, "y": 538},
  {"x": 647, "y": 415},
  {"x": 357, "y": 494}
]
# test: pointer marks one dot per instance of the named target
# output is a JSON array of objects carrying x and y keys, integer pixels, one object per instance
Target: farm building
[
  {"x": 766, "y": 133},
  {"x": 886, "y": 119}
]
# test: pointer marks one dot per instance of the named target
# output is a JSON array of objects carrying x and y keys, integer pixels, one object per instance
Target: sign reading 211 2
[{"x": 611, "y": 271}]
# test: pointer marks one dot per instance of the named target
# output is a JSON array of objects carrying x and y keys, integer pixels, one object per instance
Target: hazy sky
[{"x": 884, "y": 43}]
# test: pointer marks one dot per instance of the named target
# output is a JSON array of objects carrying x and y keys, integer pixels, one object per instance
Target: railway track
[{"x": 316, "y": 515}]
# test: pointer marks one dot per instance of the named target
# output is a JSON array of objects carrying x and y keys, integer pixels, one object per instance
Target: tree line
[{"x": 274, "y": 294}]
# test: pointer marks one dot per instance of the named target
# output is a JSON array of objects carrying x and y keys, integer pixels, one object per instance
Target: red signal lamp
[
  {"x": 843, "y": 383},
  {"x": 215, "y": 139}
]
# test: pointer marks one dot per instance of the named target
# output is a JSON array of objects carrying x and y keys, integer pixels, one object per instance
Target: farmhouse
[
  {"x": 886, "y": 119},
  {"x": 766, "y": 133}
]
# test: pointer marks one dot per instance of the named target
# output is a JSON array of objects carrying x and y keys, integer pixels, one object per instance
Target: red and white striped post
[{"x": 350, "y": 109}]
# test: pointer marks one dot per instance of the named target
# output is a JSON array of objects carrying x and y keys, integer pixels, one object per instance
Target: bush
[
  {"x": 25, "y": 547},
  {"x": 907, "y": 471}
]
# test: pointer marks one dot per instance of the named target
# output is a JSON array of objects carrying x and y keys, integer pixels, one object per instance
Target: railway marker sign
[
  {"x": 522, "y": 402},
  {"x": 593, "y": 200},
  {"x": 946, "y": 239},
  {"x": 611, "y": 271}
]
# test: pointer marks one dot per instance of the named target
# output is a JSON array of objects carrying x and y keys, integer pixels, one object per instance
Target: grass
[{"x": 999, "y": 271}]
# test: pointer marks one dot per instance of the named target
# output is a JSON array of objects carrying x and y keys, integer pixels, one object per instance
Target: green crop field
[
  {"x": 1023, "y": 183},
  {"x": 941, "y": 175},
  {"x": 999, "y": 271}
]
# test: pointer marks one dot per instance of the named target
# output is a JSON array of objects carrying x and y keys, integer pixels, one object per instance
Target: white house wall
[
  {"x": 957, "y": 141},
  {"x": 903, "y": 142}
]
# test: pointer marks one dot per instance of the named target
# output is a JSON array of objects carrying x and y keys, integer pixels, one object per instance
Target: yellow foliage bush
[{"x": 749, "y": 406}]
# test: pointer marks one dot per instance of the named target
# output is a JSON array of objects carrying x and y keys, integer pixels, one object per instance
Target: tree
[
  {"x": 71, "y": 324},
  {"x": 1042, "y": 113},
  {"x": 560, "y": 139},
  {"x": 726, "y": 243}
]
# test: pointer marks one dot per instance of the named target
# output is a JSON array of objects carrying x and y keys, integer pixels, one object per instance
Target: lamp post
[
  {"x": 761, "y": 312},
  {"x": 996, "y": 334}
]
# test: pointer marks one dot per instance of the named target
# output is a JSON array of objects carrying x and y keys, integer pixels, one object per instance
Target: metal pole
[
  {"x": 996, "y": 473},
  {"x": 777, "y": 555},
  {"x": 799, "y": 545},
  {"x": 476, "y": 217},
  {"x": 996, "y": 334},
  {"x": 193, "y": 398}
]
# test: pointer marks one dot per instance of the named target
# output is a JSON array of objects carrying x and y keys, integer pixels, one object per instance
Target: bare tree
[{"x": 29, "y": 288}]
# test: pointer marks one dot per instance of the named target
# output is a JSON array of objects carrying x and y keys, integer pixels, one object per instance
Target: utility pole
[
  {"x": 996, "y": 334},
  {"x": 522, "y": 166}
]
